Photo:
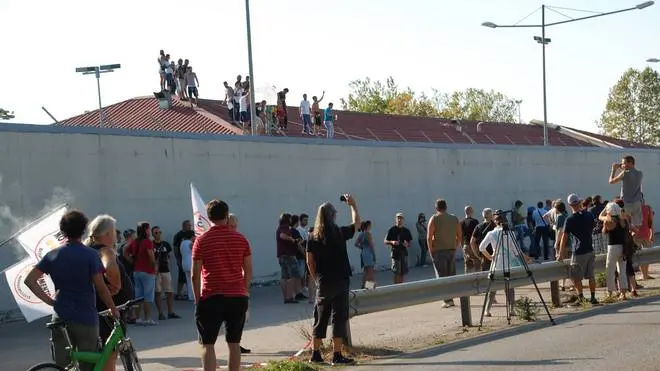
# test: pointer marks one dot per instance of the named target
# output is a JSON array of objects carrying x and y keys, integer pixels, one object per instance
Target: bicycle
[{"x": 116, "y": 341}]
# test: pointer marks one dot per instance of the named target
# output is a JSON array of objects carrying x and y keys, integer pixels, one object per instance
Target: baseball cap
[
  {"x": 572, "y": 199},
  {"x": 613, "y": 209},
  {"x": 399, "y": 215}
]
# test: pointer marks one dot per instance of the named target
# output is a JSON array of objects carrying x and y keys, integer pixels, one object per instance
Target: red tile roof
[
  {"x": 145, "y": 114},
  {"x": 618, "y": 142},
  {"x": 212, "y": 117}
]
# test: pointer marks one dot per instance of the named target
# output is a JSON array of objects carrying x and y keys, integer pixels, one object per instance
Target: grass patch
[
  {"x": 526, "y": 309},
  {"x": 601, "y": 279},
  {"x": 286, "y": 366}
]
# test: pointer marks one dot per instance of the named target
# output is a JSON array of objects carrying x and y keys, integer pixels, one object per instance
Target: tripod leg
[{"x": 486, "y": 299}]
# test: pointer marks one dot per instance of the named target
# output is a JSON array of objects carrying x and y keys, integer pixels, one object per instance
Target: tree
[
  {"x": 632, "y": 111},
  {"x": 471, "y": 104},
  {"x": 6, "y": 115},
  {"x": 478, "y": 105}
]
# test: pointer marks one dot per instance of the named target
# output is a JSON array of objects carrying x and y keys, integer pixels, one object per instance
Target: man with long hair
[{"x": 327, "y": 260}]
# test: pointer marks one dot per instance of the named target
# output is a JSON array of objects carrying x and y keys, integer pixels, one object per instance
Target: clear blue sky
[{"x": 423, "y": 44}]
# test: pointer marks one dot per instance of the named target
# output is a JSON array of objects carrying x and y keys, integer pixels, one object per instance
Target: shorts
[
  {"x": 85, "y": 338},
  {"x": 289, "y": 267},
  {"x": 182, "y": 85},
  {"x": 164, "y": 282},
  {"x": 634, "y": 209},
  {"x": 302, "y": 267},
  {"x": 400, "y": 266},
  {"x": 192, "y": 90},
  {"x": 245, "y": 116},
  {"x": 214, "y": 311},
  {"x": 145, "y": 286},
  {"x": 331, "y": 303},
  {"x": 582, "y": 266},
  {"x": 317, "y": 119}
]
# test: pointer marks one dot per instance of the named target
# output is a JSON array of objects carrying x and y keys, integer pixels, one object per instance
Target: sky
[{"x": 310, "y": 46}]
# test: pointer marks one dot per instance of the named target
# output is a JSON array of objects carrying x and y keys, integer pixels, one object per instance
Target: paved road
[{"x": 615, "y": 337}]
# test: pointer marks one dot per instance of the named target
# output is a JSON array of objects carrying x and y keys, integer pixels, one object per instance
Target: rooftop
[{"x": 211, "y": 117}]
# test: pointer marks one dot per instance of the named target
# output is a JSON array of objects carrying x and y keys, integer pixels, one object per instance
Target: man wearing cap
[
  {"x": 579, "y": 226},
  {"x": 398, "y": 239}
]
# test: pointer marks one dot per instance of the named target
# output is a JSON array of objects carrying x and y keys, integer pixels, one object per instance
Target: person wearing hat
[
  {"x": 579, "y": 226},
  {"x": 399, "y": 240}
]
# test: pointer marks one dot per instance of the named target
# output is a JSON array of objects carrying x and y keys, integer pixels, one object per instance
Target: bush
[
  {"x": 526, "y": 309},
  {"x": 601, "y": 279}
]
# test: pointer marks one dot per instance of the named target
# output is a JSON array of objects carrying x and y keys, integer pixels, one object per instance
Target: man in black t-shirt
[
  {"x": 399, "y": 239},
  {"x": 162, "y": 250},
  {"x": 181, "y": 276},
  {"x": 327, "y": 260},
  {"x": 479, "y": 234},
  {"x": 579, "y": 225},
  {"x": 471, "y": 260}
]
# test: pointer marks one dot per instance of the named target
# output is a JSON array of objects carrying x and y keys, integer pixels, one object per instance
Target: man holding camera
[
  {"x": 631, "y": 188},
  {"x": 327, "y": 260}
]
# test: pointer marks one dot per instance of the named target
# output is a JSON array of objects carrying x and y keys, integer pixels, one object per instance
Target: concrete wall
[{"x": 146, "y": 177}]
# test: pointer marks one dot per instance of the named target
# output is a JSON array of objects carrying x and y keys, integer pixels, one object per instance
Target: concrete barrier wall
[{"x": 146, "y": 177}]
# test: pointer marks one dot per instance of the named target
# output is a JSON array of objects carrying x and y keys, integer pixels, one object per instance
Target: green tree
[
  {"x": 477, "y": 105},
  {"x": 632, "y": 111},
  {"x": 386, "y": 97},
  {"x": 6, "y": 115}
]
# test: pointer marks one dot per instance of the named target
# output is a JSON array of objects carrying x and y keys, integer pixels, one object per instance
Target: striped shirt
[{"x": 222, "y": 252}]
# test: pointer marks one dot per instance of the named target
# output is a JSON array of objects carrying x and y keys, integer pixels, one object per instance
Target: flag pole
[{"x": 31, "y": 224}]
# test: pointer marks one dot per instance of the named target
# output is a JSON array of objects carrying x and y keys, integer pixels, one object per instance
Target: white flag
[
  {"x": 44, "y": 235},
  {"x": 200, "y": 219},
  {"x": 29, "y": 304}
]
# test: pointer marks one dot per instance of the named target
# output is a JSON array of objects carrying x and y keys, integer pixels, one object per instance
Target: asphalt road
[{"x": 615, "y": 337}]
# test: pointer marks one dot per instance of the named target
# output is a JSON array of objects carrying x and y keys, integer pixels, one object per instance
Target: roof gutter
[{"x": 577, "y": 135}]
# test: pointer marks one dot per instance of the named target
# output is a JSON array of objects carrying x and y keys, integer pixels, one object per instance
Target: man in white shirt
[
  {"x": 243, "y": 105},
  {"x": 306, "y": 115}
]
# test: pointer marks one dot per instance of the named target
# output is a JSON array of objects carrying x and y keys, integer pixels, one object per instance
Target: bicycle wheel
[
  {"x": 46, "y": 367},
  {"x": 129, "y": 358}
]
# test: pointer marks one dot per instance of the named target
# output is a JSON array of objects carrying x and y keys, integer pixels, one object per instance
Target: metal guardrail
[{"x": 465, "y": 285}]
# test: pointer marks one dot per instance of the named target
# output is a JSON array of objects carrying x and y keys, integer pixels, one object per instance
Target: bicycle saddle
[{"x": 55, "y": 324}]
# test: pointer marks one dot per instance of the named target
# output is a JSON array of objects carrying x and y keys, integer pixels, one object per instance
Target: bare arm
[
  {"x": 430, "y": 231},
  {"x": 196, "y": 278},
  {"x": 311, "y": 264},
  {"x": 474, "y": 246},
  {"x": 196, "y": 80},
  {"x": 127, "y": 254},
  {"x": 459, "y": 234},
  {"x": 603, "y": 216},
  {"x": 355, "y": 215},
  {"x": 247, "y": 271},
  {"x": 614, "y": 178},
  {"x": 31, "y": 281},
  {"x": 562, "y": 246},
  {"x": 112, "y": 274},
  {"x": 320, "y": 99},
  {"x": 286, "y": 237},
  {"x": 104, "y": 293}
]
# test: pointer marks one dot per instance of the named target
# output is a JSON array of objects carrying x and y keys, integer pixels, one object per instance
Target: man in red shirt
[{"x": 221, "y": 275}]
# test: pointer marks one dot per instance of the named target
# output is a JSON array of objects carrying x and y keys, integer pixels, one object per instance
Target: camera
[{"x": 342, "y": 198}]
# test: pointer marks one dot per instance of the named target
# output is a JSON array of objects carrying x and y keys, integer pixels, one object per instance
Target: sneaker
[
  {"x": 150, "y": 323},
  {"x": 593, "y": 300},
  {"x": 448, "y": 304},
  {"x": 301, "y": 296},
  {"x": 340, "y": 360},
  {"x": 316, "y": 358},
  {"x": 161, "y": 317},
  {"x": 245, "y": 350},
  {"x": 173, "y": 316},
  {"x": 140, "y": 322},
  {"x": 290, "y": 301}
]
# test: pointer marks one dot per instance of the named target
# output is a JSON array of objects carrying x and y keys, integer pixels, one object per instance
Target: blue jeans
[
  {"x": 330, "y": 129},
  {"x": 307, "y": 123},
  {"x": 541, "y": 233},
  {"x": 521, "y": 232}
]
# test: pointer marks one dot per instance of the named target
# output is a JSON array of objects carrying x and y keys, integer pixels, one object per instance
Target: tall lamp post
[
  {"x": 518, "y": 102},
  {"x": 97, "y": 71},
  {"x": 545, "y": 41},
  {"x": 653, "y": 60},
  {"x": 253, "y": 109}
]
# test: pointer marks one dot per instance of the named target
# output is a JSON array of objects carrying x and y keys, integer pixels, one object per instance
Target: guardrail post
[
  {"x": 348, "y": 340},
  {"x": 466, "y": 312},
  {"x": 554, "y": 294}
]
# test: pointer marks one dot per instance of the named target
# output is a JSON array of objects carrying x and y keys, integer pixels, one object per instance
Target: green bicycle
[{"x": 117, "y": 341}]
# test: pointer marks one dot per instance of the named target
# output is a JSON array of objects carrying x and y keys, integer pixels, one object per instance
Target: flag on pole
[
  {"x": 200, "y": 219},
  {"x": 37, "y": 240}
]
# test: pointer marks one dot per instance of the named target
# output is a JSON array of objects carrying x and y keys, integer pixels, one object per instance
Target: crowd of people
[
  {"x": 178, "y": 78},
  {"x": 215, "y": 268}
]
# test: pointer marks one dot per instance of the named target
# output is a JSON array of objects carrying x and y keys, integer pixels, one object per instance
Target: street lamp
[
  {"x": 97, "y": 71},
  {"x": 518, "y": 102},
  {"x": 253, "y": 109},
  {"x": 545, "y": 41},
  {"x": 653, "y": 60}
]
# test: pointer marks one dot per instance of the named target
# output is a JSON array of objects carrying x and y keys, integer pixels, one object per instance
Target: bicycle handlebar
[{"x": 123, "y": 307}]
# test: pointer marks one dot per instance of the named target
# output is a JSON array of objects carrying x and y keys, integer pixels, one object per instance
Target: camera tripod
[{"x": 507, "y": 249}]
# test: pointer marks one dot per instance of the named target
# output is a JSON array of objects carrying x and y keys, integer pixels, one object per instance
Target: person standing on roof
[
  {"x": 193, "y": 83},
  {"x": 329, "y": 121}
]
